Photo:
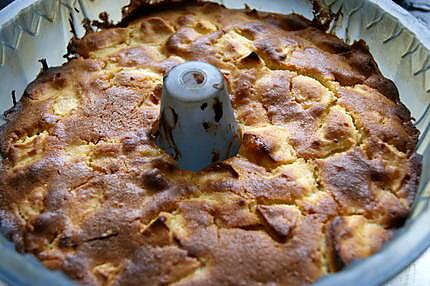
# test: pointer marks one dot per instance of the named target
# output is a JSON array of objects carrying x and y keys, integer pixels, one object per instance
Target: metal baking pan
[{"x": 31, "y": 30}]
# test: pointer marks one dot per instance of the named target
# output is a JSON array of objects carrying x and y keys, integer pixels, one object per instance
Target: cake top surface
[{"x": 326, "y": 171}]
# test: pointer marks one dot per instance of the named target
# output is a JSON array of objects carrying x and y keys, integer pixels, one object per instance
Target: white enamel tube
[{"x": 197, "y": 125}]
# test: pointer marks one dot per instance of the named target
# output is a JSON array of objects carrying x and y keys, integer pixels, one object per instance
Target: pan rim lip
[
  {"x": 410, "y": 22},
  {"x": 14, "y": 9}
]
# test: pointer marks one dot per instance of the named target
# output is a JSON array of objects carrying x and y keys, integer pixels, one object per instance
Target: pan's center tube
[
  {"x": 194, "y": 79},
  {"x": 197, "y": 125}
]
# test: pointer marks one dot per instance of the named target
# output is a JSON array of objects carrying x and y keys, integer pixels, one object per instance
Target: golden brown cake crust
[{"x": 326, "y": 171}]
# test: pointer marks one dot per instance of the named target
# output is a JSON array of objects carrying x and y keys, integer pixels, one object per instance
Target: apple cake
[{"x": 326, "y": 172}]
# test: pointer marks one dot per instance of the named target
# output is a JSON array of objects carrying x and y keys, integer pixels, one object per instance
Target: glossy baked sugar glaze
[{"x": 327, "y": 168}]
